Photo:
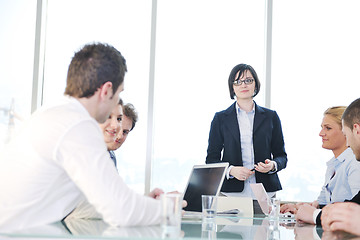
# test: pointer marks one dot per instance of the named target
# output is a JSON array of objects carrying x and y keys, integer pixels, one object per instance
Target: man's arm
[
  {"x": 355, "y": 199},
  {"x": 305, "y": 213},
  {"x": 83, "y": 155},
  {"x": 341, "y": 216}
]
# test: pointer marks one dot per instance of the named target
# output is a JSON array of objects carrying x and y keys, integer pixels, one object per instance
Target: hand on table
[
  {"x": 156, "y": 193},
  {"x": 305, "y": 213},
  {"x": 315, "y": 204},
  {"x": 293, "y": 207},
  {"x": 289, "y": 207},
  {"x": 341, "y": 216}
]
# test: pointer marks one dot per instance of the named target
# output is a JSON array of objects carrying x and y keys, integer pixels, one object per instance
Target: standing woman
[{"x": 247, "y": 136}]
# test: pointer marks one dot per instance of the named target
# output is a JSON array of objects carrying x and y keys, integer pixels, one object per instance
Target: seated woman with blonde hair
[{"x": 343, "y": 171}]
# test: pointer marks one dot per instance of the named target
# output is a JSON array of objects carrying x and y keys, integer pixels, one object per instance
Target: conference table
[{"x": 220, "y": 227}]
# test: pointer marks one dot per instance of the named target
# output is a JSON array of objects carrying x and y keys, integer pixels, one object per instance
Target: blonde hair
[{"x": 336, "y": 113}]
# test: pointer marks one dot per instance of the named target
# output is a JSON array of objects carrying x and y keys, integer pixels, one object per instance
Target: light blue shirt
[
  {"x": 346, "y": 181},
  {"x": 246, "y": 124}
]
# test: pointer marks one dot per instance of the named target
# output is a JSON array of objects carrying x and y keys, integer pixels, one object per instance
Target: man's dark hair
[
  {"x": 352, "y": 114},
  {"x": 91, "y": 67}
]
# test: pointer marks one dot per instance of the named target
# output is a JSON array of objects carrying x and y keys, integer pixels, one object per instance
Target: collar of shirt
[
  {"x": 239, "y": 110},
  {"x": 336, "y": 162},
  {"x": 70, "y": 99},
  {"x": 245, "y": 120}
]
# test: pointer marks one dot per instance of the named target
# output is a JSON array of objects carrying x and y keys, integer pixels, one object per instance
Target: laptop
[
  {"x": 204, "y": 179},
  {"x": 264, "y": 200},
  {"x": 261, "y": 196}
]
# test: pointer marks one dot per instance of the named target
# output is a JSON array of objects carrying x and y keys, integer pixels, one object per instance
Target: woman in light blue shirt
[{"x": 343, "y": 171}]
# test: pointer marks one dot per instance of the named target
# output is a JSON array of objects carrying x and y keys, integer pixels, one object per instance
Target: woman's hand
[
  {"x": 265, "y": 167},
  {"x": 315, "y": 204},
  {"x": 289, "y": 207},
  {"x": 241, "y": 173},
  {"x": 305, "y": 213}
]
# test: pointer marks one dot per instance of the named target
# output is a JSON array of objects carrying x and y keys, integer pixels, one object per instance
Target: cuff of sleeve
[
  {"x": 275, "y": 168},
  {"x": 315, "y": 214},
  {"x": 228, "y": 176}
]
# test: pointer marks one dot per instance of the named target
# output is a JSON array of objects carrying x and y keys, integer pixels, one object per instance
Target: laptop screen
[
  {"x": 261, "y": 196},
  {"x": 204, "y": 180}
]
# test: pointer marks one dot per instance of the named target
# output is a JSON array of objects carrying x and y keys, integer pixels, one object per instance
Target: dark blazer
[{"x": 268, "y": 143}]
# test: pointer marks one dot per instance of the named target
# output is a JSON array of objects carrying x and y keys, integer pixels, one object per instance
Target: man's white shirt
[{"x": 58, "y": 161}]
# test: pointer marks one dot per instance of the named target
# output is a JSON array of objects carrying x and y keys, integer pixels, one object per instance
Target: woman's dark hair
[
  {"x": 241, "y": 68},
  {"x": 130, "y": 112}
]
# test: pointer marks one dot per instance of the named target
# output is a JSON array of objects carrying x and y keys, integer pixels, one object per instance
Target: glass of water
[
  {"x": 209, "y": 205},
  {"x": 274, "y": 211}
]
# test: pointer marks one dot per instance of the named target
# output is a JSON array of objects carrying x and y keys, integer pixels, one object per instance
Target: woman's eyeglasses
[{"x": 247, "y": 81}]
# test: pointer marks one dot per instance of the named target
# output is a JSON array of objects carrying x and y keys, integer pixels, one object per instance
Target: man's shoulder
[
  {"x": 68, "y": 109},
  {"x": 56, "y": 120},
  {"x": 351, "y": 163}
]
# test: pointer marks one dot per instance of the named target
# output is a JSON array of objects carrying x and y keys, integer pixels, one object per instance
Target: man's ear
[
  {"x": 356, "y": 128},
  {"x": 106, "y": 91}
]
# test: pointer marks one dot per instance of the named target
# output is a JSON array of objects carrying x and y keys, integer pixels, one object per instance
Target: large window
[
  {"x": 17, "y": 40},
  {"x": 315, "y": 66},
  {"x": 197, "y": 47},
  {"x": 315, "y": 61},
  {"x": 122, "y": 24}
]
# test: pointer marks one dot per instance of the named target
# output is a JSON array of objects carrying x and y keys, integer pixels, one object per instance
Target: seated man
[{"x": 65, "y": 159}]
